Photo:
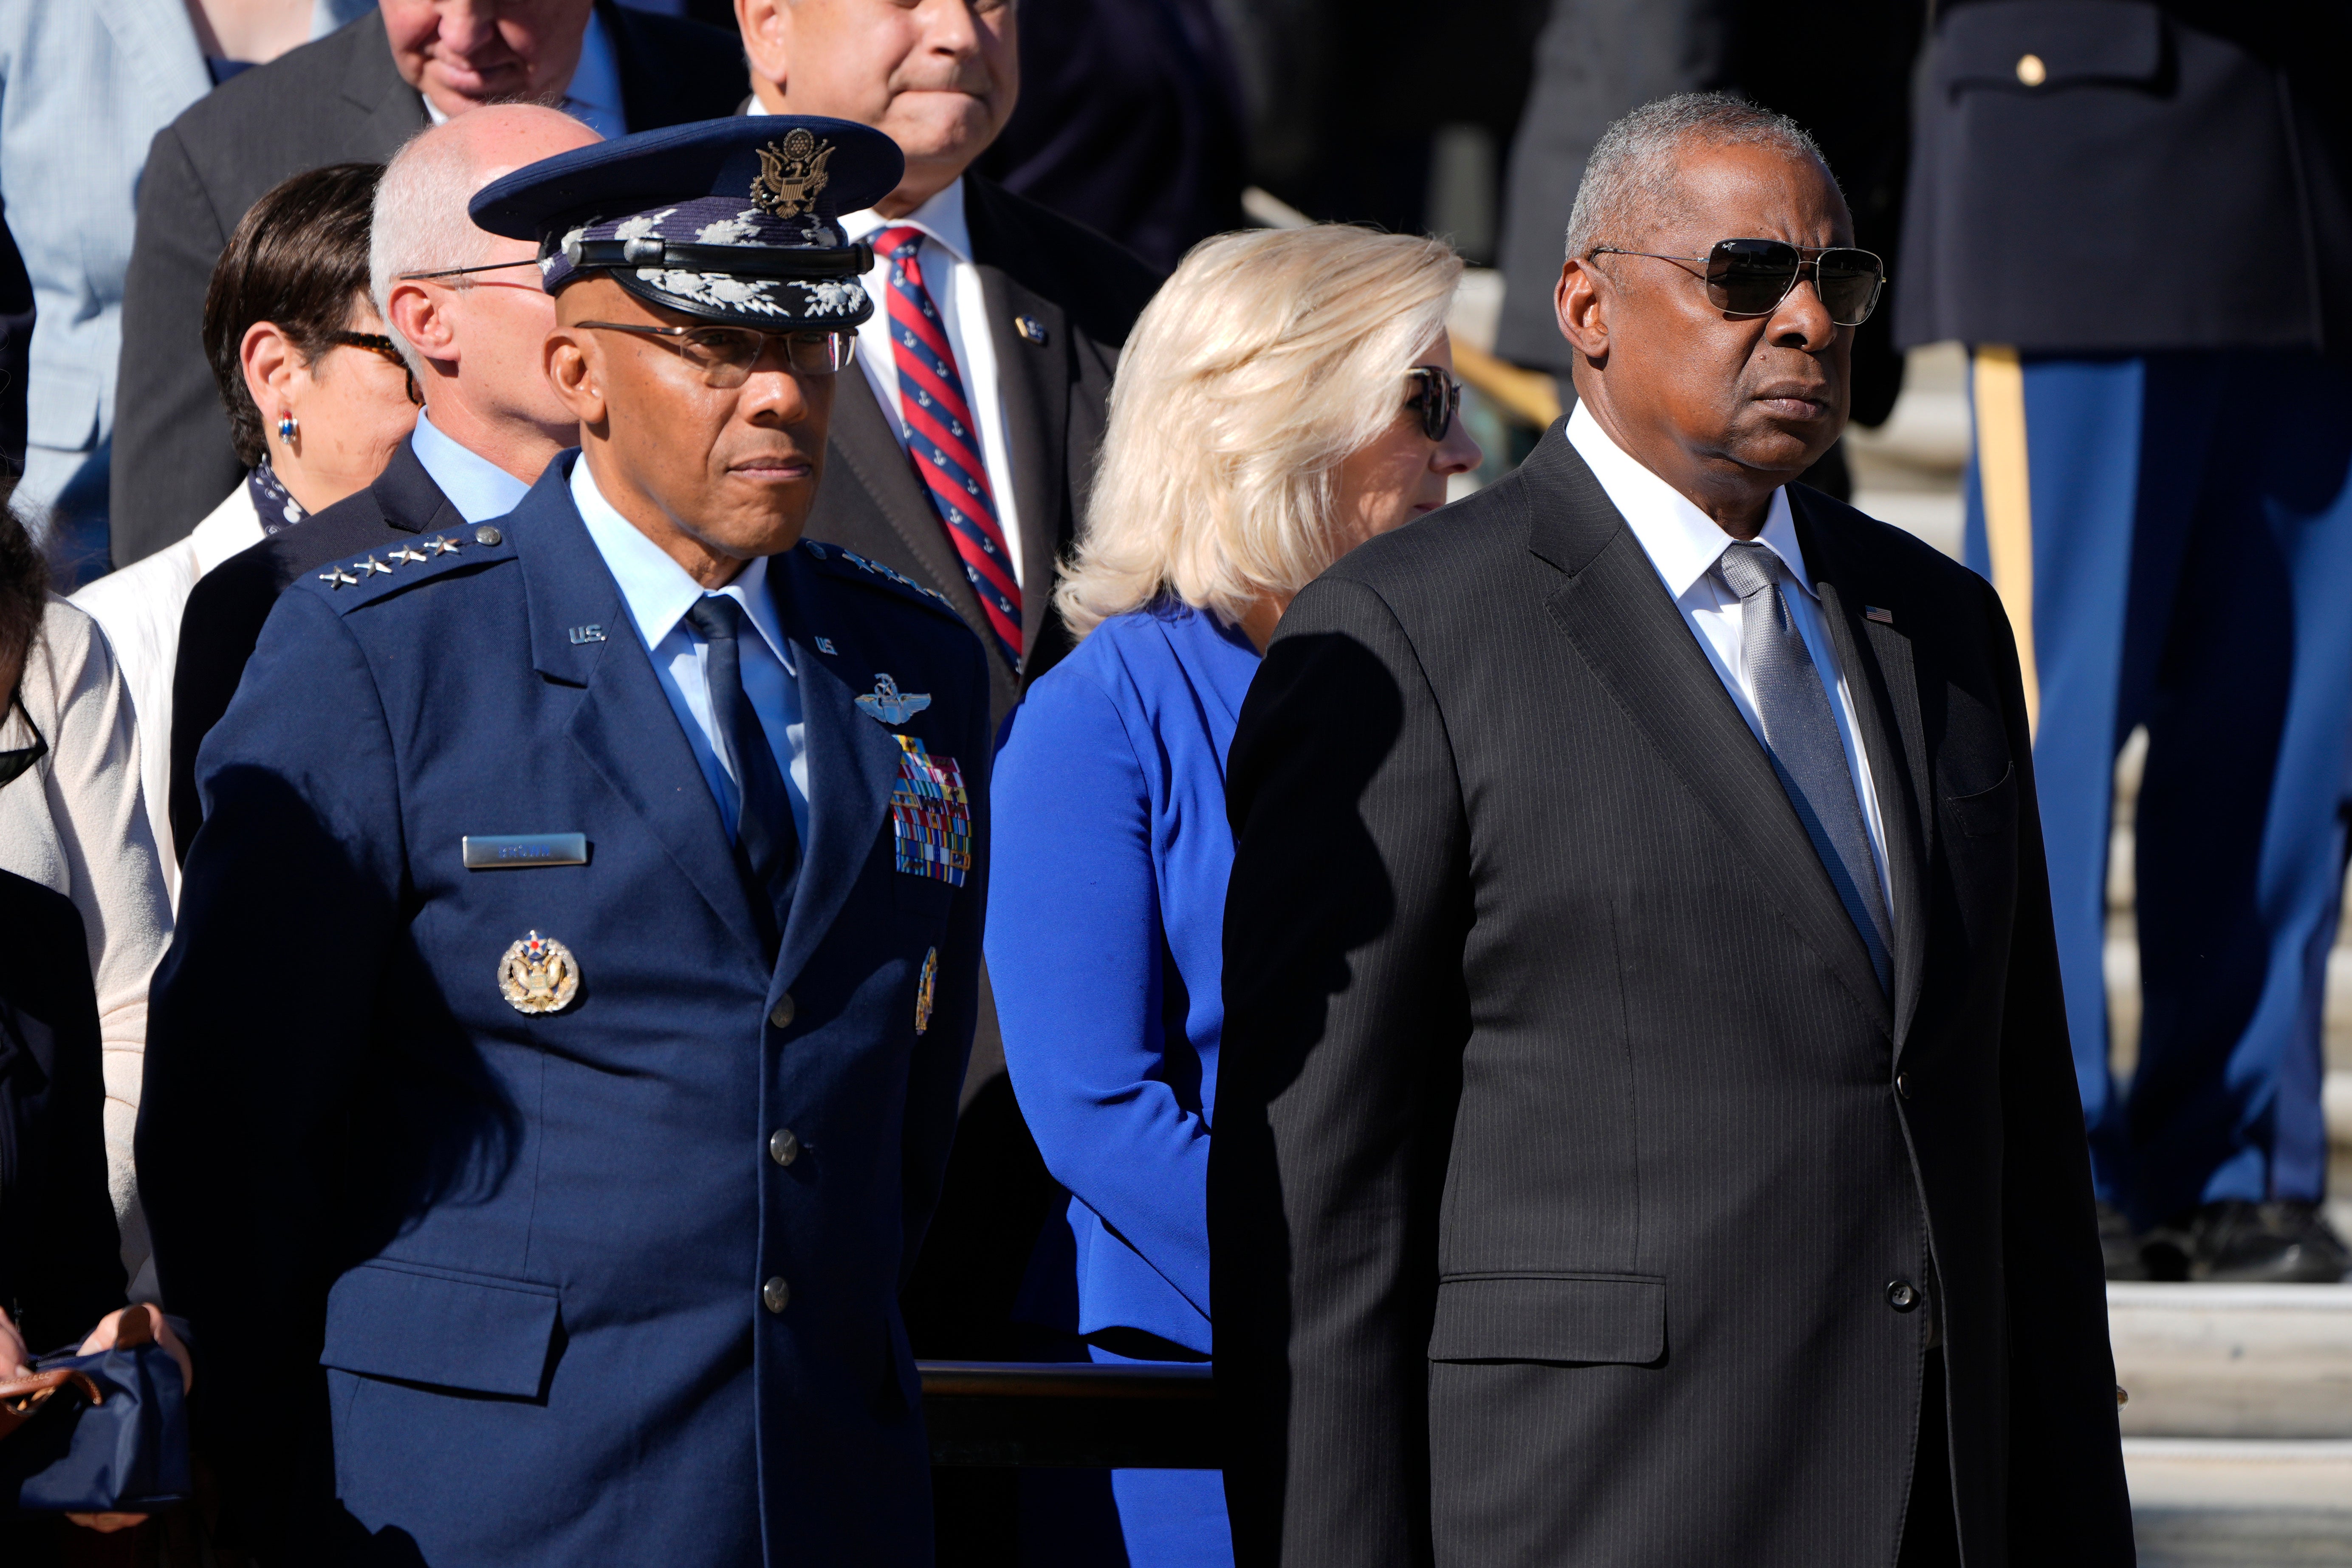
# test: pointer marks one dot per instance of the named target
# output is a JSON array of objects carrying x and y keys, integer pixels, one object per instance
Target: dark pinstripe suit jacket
[{"x": 1568, "y": 1148}]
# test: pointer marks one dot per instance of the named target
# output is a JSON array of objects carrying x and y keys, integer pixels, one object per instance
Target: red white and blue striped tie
[{"x": 944, "y": 442}]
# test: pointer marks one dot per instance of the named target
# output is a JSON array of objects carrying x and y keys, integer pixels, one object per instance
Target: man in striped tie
[{"x": 989, "y": 362}]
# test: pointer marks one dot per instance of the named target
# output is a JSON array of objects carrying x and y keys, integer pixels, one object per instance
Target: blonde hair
[{"x": 1267, "y": 359}]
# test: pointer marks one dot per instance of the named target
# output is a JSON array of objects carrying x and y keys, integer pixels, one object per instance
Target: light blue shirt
[
  {"x": 658, "y": 593},
  {"x": 476, "y": 487}
]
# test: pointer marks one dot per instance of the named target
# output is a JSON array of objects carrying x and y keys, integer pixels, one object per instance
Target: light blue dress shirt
[
  {"x": 476, "y": 487},
  {"x": 658, "y": 593}
]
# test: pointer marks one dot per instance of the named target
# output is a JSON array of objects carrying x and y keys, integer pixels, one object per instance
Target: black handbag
[{"x": 109, "y": 1437}]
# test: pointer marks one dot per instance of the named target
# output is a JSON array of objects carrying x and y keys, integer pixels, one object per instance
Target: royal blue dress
[{"x": 1106, "y": 942}]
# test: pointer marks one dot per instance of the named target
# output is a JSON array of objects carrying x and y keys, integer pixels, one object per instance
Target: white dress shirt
[
  {"x": 953, "y": 284},
  {"x": 658, "y": 593},
  {"x": 594, "y": 95},
  {"x": 1683, "y": 545},
  {"x": 476, "y": 487}
]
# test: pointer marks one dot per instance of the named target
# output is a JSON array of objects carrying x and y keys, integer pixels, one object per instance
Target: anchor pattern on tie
[{"x": 936, "y": 419}]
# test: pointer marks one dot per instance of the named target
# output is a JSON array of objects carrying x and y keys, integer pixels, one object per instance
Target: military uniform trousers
[{"x": 2172, "y": 535}]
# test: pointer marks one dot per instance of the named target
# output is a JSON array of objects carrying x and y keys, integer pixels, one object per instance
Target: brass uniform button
[
  {"x": 775, "y": 1295},
  {"x": 783, "y": 1148},
  {"x": 2031, "y": 70},
  {"x": 782, "y": 1017}
]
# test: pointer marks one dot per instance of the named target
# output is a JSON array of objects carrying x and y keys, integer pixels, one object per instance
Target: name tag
[{"x": 515, "y": 851}]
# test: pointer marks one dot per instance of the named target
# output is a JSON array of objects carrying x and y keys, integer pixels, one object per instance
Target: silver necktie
[{"x": 1801, "y": 736}]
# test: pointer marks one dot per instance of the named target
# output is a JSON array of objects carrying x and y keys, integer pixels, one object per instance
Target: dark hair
[
  {"x": 300, "y": 259},
  {"x": 24, "y": 592}
]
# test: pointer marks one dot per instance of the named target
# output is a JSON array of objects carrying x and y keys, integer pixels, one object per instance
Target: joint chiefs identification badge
[
  {"x": 931, "y": 815},
  {"x": 538, "y": 974},
  {"x": 927, "y": 990}
]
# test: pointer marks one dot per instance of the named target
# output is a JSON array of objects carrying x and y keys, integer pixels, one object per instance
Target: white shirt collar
[
  {"x": 941, "y": 219},
  {"x": 1682, "y": 542},
  {"x": 592, "y": 96},
  {"x": 476, "y": 487},
  {"x": 656, "y": 589}
]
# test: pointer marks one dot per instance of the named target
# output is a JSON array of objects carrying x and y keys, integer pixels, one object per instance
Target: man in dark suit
[
  {"x": 552, "y": 1206},
  {"x": 466, "y": 309},
  {"x": 355, "y": 95},
  {"x": 1646, "y": 1074},
  {"x": 2162, "y": 491},
  {"x": 1031, "y": 307}
]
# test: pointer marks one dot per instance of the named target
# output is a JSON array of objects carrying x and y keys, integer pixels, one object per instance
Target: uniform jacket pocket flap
[
  {"x": 2068, "y": 41},
  {"x": 1989, "y": 812},
  {"x": 1618, "y": 1318},
  {"x": 457, "y": 1330}
]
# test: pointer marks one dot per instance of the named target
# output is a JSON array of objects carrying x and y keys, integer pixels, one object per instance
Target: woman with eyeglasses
[
  {"x": 1287, "y": 397},
  {"x": 318, "y": 397}
]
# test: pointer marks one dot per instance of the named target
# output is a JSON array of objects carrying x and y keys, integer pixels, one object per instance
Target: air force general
[{"x": 544, "y": 1196}]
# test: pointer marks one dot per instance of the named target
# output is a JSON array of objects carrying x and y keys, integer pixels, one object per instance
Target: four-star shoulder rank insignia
[
  {"x": 337, "y": 579},
  {"x": 409, "y": 554},
  {"x": 886, "y": 704},
  {"x": 442, "y": 544}
]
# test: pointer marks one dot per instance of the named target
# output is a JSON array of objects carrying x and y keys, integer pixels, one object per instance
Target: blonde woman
[{"x": 1285, "y": 396}]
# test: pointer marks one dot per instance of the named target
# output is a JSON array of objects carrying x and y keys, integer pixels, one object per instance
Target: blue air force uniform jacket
[{"x": 616, "y": 1283}]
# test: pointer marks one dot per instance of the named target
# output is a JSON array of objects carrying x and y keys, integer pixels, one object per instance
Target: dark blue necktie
[
  {"x": 1801, "y": 736},
  {"x": 765, "y": 840}
]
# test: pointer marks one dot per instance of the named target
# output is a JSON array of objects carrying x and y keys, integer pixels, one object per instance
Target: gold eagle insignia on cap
[{"x": 792, "y": 173}]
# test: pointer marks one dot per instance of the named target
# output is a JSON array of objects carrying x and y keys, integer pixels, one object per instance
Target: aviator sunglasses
[
  {"x": 1436, "y": 397},
  {"x": 1751, "y": 277}
]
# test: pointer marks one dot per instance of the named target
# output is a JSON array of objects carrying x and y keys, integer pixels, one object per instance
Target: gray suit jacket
[
  {"x": 1569, "y": 1151},
  {"x": 339, "y": 100}
]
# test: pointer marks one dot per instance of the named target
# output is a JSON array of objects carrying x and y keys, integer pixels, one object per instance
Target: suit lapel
[
  {"x": 1878, "y": 659},
  {"x": 372, "y": 82},
  {"x": 853, "y": 763},
  {"x": 625, "y": 727},
  {"x": 1617, "y": 614},
  {"x": 863, "y": 442},
  {"x": 409, "y": 498},
  {"x": 1033, "y": 382}
]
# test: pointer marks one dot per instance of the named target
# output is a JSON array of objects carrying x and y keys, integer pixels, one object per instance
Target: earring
[{"x": 287, "y": 426}]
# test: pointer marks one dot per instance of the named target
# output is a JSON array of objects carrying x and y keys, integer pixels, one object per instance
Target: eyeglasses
[
  {"x": 13, "y": 764},
  {"x": 1751, "y": 277},
  {"x": 1436, "y": 397},
  {"x": 384, "y": 348},
  {"x": 725, "y": 355}
]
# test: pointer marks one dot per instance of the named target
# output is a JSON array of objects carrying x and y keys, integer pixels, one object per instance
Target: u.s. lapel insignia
[
  {"x": 538, "y": 974},
  {"x": 926, "y": 990},
  {"x": 1030, "y": 329},
  {"x": 886, "y": 704},
  {"x": 792, "y": 173},
  {"x": 1873, "y": 613}
]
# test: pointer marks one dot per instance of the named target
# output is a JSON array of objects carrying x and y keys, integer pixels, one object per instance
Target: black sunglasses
[
  {"x": 1436, "y": 397},
  {"x": 1751, "y": 277},
  {"x": 383, "y": 348},
  {"x": 13, "y": 764},
  {"x": 725, "y": 355}
]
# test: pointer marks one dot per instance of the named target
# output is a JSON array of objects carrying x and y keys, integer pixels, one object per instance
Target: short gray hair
[
  {"x": 1633, "y": 167},
  {"x": 421, "y": 223}
]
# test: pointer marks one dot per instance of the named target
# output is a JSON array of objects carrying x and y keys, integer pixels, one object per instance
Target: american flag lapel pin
[{"x": 1873, "y": 613}]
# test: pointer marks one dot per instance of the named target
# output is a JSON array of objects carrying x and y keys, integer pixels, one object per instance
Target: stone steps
[{"x": 2238, "y": 1435}]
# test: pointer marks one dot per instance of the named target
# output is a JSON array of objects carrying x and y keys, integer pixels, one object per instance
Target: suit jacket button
[
  {"x": 782, "y": 1017},
  {"x": 1902, "y": 1295},
  {"x": 1903, "y": 1084},
  {"x": 775, "y": 1295},
  {"x": 782, "y": 1147}
]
